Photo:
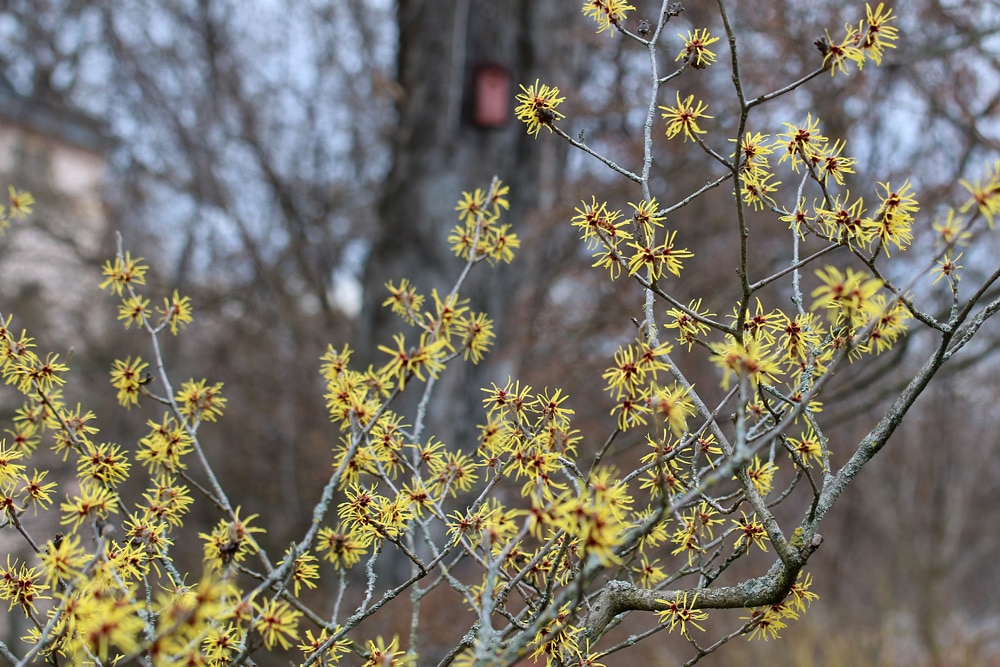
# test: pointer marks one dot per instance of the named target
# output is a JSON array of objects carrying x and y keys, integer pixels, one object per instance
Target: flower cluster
[
  {"x": 766, "y": 622},
  {"x": 777, "y": 355},
  {"x": 839, "y": 217},
  {"x": 635, "y": 244},
  {"x": 866, "y": 41},
  {"x": 480, "y": 236},
  {"x": 106, "y": 589}
]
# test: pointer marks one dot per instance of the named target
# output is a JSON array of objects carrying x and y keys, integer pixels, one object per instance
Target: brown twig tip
[{"x": 546, "y": 116}]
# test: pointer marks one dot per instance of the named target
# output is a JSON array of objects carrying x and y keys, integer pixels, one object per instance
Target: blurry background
[{"x": 278, "y": 161}]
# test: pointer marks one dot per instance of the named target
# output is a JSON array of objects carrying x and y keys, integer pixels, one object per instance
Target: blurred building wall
[{"x": 48, "y": 271}]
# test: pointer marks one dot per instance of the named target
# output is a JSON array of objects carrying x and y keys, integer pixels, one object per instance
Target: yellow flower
[
  {"x": 684, "y": 117},
  {"x": 9, "y": 470},
  {"x": 127, "y": 377},
  {"x": 477, "y": 336},
  {"x": 670, "y": 478},
  {"x": 123, "y": 272},
  {"x": 498, "y": 196},
  {"x": 846, "y": 296},
  {"x": 509, "y": 400},
  {"x": 199, "y": 402},
  {"x": 800, "y": 594},
  {"x": 759, "y": 323},
  {"x": 649, "y": 573},
  {"x": 447, "y": 312},
  {"x": 381, "y": 654},
  {"x": 802, "y": 143},
  {"x": 20, "y": 202},
  {"x": 550, "y": 408},
  {"x": 625, "y": 377},
  {"x": 878, "y": 36},
  {"x": 165, "y": 446},
  {"x": 948, "y": 267},
  {"x": 695, "y": 49},
  {"x": 277, "y": 622},
  {"x": 800, "y": 335},
  {"x": 452, "y": 473},
  {"x": 750, "y": 531},
  {"x": 106, "y": 464},
  {"x": 221, "y": 644},
  {"x": 807, "y": 446},
  {"x": 890, "y": 322},
  {"x": 343, "y": 549},
  {"x": 757, "y": 190},
  {"x": 405, "y": 363},
  {"x": 832, "y": 163},
  {"x": 597, "y": 224},
  {"x": 63, "y": 559},
  {"x": 21, "y": 585},
  {"x": 479, "y": 237},
  {"x": 752, "y": 359},
  {"x": 334, "y": 362},
  {"x": 754, "y": 151},
  {"x": 673, "y": 407},
  {"x": 331, "y": 653},
  {"x": 893, "y": 222},
  {"x": 838, "y": 54},
  {"x": 230, "y": 541},
  {"x": 952, "y": 230},
  {"x": 405, "y": 301},
  {"x": 761, "y": 473},
  {"x": 176, "y": 312},
  {"x": 36, "y": 491},
  {"x": 606, "y": 13},
  {"x": 104, "y": 621},
  {"x": 659, "y": 259},
  {"x": 500, "y": 244},
  {"x": 985, "y": 194},
  {"x": 31, "y": 374},
  {"x": 596, "y": 517},
  {"x": 93, "y": 502},
  {"x": 680, "y": 612},
  {"x": 146, "y": 539},
  {"x": 305, "y": 572},
  {"x": 765, "y": 623},
  {"x": 537, "y": 106},
  {"x": 472, "y": 205},
  {"x": 689, "y": 329},
  {"x": 632, "y": 409},
  {"x": 167, "y": 499}
]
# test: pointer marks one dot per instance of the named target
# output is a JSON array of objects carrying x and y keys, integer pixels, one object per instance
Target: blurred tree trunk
[{"x": 437, "y": 152}]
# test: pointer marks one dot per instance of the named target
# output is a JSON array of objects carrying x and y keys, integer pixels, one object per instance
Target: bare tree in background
[{"x": 250, "y": 141}]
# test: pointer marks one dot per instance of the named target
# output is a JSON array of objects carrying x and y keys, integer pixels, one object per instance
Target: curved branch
[{"x": 619, "y": 597}]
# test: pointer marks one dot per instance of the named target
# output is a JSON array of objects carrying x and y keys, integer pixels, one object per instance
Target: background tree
[{"x": 439, "y": 148}]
